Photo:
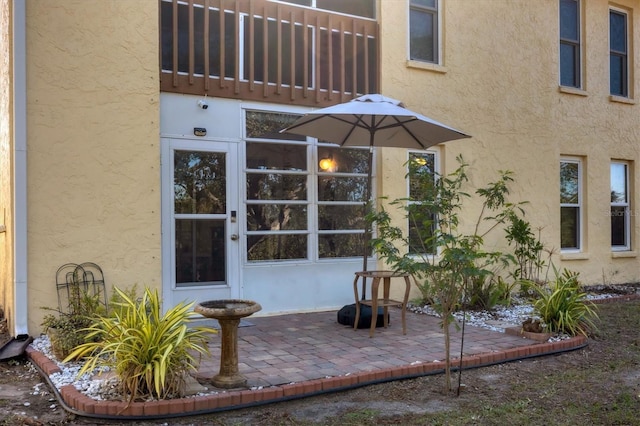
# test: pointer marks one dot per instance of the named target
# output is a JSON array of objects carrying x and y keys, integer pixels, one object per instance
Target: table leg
[
  {"x": 407, "y": 283},
  {"x": 385, "y": 311},
  {"x": 355, "y": 291},
  {"x": 374, "y": 305}
]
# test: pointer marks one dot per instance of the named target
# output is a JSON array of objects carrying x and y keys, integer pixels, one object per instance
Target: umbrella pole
[{"x": 366, "y": 207}]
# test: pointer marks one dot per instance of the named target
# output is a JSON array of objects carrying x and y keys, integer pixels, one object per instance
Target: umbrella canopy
[{"x": 373, "y": 120}]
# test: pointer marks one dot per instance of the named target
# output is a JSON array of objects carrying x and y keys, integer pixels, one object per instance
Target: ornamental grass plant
[
  {"x": 151, "y": 353},
  {"x": 563, "y": 305}
]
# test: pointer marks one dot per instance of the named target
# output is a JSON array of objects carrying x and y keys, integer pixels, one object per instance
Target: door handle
[{"x": 234, "y": 237}]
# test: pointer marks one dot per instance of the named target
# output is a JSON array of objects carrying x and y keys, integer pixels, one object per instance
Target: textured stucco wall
[
  {"x": 6, "y": 145},
  {"x": 499, "y": 83},
  {"x": 93, "y": 142}
]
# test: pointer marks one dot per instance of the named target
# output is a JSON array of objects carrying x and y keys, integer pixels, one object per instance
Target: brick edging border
[{"x": 80, "y": 404}]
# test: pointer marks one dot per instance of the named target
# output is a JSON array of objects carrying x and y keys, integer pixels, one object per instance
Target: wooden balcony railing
[{"x": 266, "y": 51}]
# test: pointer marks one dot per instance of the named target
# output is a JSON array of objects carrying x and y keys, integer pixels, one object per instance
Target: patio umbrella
[{"x": 373, "y": 120}]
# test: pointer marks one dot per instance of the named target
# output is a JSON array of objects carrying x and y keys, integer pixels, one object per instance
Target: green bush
[
  {"x": 68, "y": 329},
  {"x": 151, "y": 353},
  {"x": 564, "y": 307}
]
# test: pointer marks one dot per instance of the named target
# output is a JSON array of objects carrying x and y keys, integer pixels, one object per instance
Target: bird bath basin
[{"x": 228, "y": 313}]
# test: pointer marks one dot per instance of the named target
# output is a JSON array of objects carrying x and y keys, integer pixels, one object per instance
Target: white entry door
[{"x": 200, "y": 221}]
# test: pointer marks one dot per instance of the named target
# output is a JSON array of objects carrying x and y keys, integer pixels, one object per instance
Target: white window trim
[
  {"x": 435, "y": 66},
  {"x": 627, "y": 205},
  {"x": 579, "y": 205},
  {"x": 312, "y": 231},
  {"x": 436, "y": 167},
  {"x": 629, "y": 52},
  {"x": 581, "y": 86}
]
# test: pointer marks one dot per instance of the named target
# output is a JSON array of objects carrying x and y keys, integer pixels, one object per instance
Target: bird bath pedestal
[{"x": 228, "y": 313}]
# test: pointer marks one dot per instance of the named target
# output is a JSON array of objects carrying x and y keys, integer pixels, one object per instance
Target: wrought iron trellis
[{"x": 74, "y": 281}]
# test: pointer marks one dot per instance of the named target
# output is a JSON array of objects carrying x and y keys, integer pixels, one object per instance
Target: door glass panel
[
  {"x": 200, "y": 252},
  {"x": 199, "y": 182}
]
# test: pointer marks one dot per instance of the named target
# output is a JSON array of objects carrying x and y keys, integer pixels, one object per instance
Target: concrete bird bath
[{"x": 228, "y": 313}]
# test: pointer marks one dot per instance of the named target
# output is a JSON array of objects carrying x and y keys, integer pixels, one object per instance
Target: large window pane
[
  {"x": 275, "y": 186},
  {"x": 421, "y": 221},
  {"x": 342, "y": 188},
  {"x": 618, "y": 226},
  {"x": 569, "y": 231},
  {"x": 276, "y": 217},
  {"x": 341, "y": 245},
  {"x": 618, "y": 31},
  {"x": 618, "y": 60},
  {"x": 267, "y": 125},
  {"x": 620, "y": 220},
  {"x": 333, "y": 217},
  {"x": 618, "y": 183},
  {"x": 344, "y": 160},
  {"x": 423, "y": 37},
  {"x": 569, "y": 65},
  {"x": 199, "y": 182},
  {"x": 570, "y": 204},
  {"x": 569, "y": 182},
  {"x": 276, "y": 156},
  {"x": 200, "y": 251},
  {"x": 569, "y": 28},
  {"x": 276, "y": 247},
  {"x": 570, "y": 43}
]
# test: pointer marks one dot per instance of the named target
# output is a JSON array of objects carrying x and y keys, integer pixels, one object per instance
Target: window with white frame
[
  {"x": 570, "y": 204},
  {"x": 620, "y": 213},
  {"x": 570, "y": 66},
  {"x": 424, "y": 31},
  {"x": 304, "y": 200},
  {"x": 421, "y": 221},
  {"x": 618, "y": 53}
]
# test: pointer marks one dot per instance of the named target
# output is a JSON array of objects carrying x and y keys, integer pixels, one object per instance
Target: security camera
[{"x": 203, "y": 104}]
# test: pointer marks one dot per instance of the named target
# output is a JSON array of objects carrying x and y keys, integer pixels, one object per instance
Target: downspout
[{"x": 21, "y": 306}]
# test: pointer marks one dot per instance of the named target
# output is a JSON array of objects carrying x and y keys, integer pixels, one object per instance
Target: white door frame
[{"x": 172, "y": 295}]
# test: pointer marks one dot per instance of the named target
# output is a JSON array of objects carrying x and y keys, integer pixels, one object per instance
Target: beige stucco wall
[
  {"x": 499, "y": 83},
  {"x": 93, "y": 142},
  {"x": 6, "y": 146}
]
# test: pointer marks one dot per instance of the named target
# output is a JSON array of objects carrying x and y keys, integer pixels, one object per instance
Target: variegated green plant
[
  {"x": 151, "y": 353},
  {"x": 564, "y": 307}
]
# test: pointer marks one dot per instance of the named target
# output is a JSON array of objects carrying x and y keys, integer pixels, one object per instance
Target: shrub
[
  {"x": 151, "y": 353},
  {"x": 564, "y": 307},
  {"x": 68, "y": 329}
]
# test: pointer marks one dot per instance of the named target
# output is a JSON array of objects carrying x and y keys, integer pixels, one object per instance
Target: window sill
[
  {"x": 623, "y": 254},
  {"x": 574, "y": 256},
  {"x": 572, "y": 91},
  {"x": 427, "y": 66},
  {"x": 621, "y": 100}
]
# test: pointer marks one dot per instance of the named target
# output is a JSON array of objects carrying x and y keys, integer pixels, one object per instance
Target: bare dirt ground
[{"x": 597, "y": 385}]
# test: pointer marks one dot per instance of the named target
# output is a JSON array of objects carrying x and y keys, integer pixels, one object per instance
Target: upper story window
[
  {"x": 620, "y": 213},
  {"x": 570, "y": 204},
  {"x": 423, "y": 31},
  {"x": 422, "y": 221},
  {"x": 618, "y": 53},
  {"x": 364, "y": 8},
  {"x": 570, "y": 66}
]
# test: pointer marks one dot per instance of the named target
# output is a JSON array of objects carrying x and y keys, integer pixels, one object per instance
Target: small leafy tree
[
  {"x": 527, "y": 249},
  {"x": 441, "y": 258}
]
